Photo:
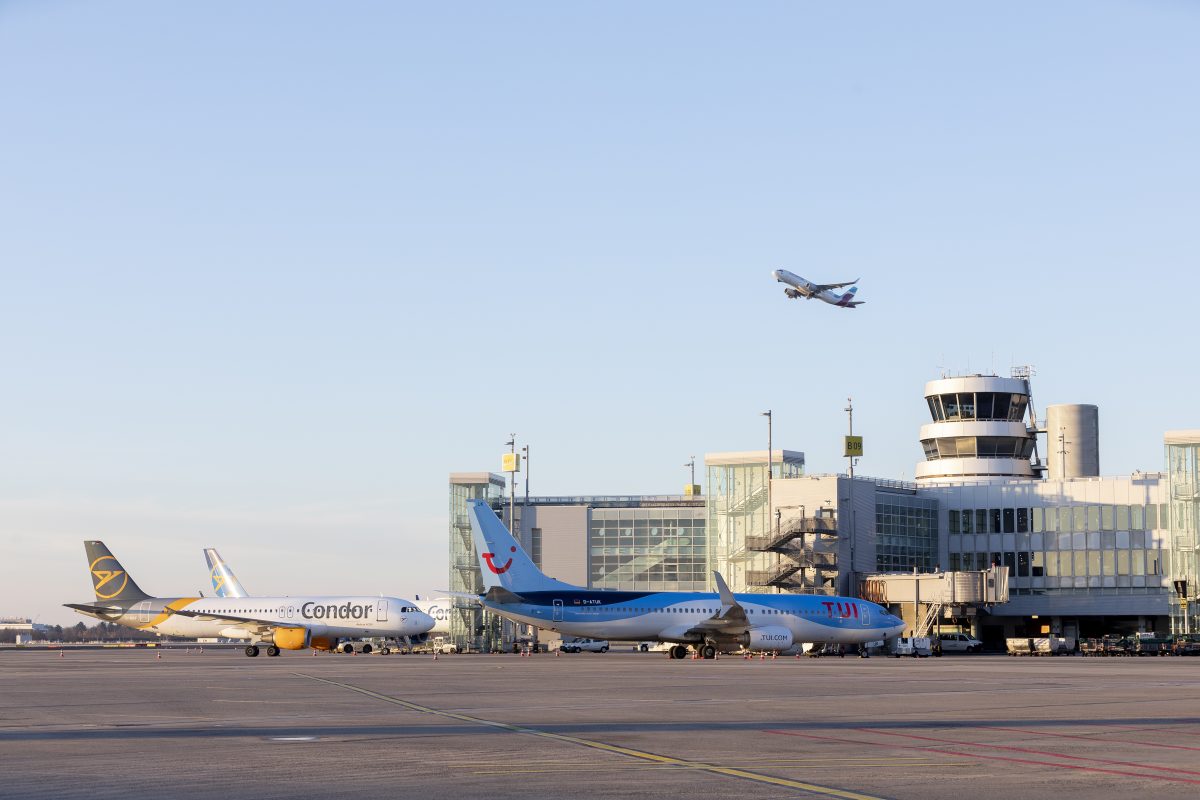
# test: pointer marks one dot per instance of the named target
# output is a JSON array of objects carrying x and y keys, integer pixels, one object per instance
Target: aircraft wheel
[
  {"x": 384, "y": 651},
  {"x": 708, "y": 651},
  {"x": 251, "y": 651},
  {"x": 272, "y": 651},
  {"x": 678, "y": 651}
]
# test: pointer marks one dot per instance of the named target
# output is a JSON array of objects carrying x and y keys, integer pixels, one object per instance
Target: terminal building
[{"x": 1085, "y": 554}]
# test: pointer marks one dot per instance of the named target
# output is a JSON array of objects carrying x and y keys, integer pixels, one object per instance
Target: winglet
[{"x": 723, "y": 590}]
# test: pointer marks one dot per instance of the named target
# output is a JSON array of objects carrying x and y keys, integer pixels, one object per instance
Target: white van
[{"x": 959, "y": 643}]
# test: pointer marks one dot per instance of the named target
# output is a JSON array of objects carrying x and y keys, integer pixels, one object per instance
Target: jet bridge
[{"x": 925, "y": 599}]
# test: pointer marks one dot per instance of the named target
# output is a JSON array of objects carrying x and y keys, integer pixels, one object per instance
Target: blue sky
[{"x": 272, "y": 270}]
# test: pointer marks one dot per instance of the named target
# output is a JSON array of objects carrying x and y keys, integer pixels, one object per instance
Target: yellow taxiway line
[{"x": 715, "y": 769}]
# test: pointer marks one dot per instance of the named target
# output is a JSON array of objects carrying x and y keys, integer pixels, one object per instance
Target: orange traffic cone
[
  {"x": 158, "y": 655},
  {"x": 60, "y": 652},
  {"x": 762, "y": 656}
]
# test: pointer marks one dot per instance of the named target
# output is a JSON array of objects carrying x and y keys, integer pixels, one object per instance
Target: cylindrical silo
[{"x": 1073, "y": 440}]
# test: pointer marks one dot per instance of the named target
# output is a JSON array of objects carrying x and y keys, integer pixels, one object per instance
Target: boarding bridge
[{"x": 925, "y": 598}]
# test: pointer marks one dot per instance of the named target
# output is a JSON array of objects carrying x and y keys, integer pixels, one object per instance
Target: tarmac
[{"x": 215, "y": 724}]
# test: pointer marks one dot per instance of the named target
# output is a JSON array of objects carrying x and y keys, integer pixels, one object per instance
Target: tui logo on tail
[{"x": 491, "y": 564}]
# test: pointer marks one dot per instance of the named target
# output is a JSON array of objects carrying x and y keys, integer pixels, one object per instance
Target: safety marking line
[
  {"x": 629, "y": 752},
  {"x": 957, "y": 754},
  {"x": 1031, "y": 751},
  {"x": 1096, "y": 738},
  {"x": 653, "y": 767}
]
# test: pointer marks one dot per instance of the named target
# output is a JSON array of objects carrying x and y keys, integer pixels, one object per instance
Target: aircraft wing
[
  {"x": 731, "y": 620},
  {"x": 822, "y": 287},
  {"x": 250, "y": 624},
  {"x": 105, "y": 612}
]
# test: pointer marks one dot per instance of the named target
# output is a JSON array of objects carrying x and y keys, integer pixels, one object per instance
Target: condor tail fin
[
  {"x": 224, "y": 582},
  {"x": 110, "y": 580}
]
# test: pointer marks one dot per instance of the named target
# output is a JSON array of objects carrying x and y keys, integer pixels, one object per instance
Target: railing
[
  {"x": 771, "y": 577},
  {"x": 790, "y": 529}
]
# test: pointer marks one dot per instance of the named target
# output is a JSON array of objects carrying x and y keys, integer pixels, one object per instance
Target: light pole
[
  {"x": 512, "y": 486},
  {"x": 770, "y": 466},
  {"x": 525, "y": 450},
  {"x": 849, "y": 409}
]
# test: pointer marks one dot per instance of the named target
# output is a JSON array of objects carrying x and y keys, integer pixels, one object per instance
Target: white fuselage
[
  {"x": 806, "y": 288},
  {"x": 343, "y": 617},
  {"x": 439, "y": 609}
]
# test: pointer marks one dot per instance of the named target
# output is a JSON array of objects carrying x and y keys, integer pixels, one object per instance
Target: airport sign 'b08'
[{"x": 854, "y": 446}]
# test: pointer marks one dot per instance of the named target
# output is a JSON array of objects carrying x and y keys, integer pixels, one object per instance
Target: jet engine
[
  {"x": 770, "y": 637},
  {"x": 792, "y": 293},
  {"x": 418, "y": 638},
  {"x": 290, "y": 638}
]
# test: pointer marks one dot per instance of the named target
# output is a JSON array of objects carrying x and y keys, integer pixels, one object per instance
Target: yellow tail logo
[{"x": 103, "y": 577}]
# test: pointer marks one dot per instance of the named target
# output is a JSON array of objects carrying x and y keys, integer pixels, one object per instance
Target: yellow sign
[
  {"x": 854, "y": 446},
  {"x": 691, "y": 490},
  {"x": 511, "y": 462}
]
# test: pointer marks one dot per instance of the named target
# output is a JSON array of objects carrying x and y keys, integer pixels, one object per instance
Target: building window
[{"x": 1009, "y": 520}]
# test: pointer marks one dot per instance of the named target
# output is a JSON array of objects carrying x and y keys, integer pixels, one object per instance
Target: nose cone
[
  {"x": 424, "y": 622},
  {"x": 777, "y": 274}
]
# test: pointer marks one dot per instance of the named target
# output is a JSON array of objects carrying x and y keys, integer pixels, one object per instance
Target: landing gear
[
  {"x": 708, "y": 651},
  {"x": 272, "y": 651},
  {"x": 677, "y": 651},
  {"x": 384, "y": 651},
  {"x": 251, "y": 650}
]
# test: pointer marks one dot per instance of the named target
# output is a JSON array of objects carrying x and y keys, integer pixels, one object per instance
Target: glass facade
[
  {"x": 470, "y": 627},
  {"x": 738, "y": 508},
  {"x": 660, "y": 549},
  {"x": 959, "y": 406},
  {"x": 1064, "y": 549},
  {"x": 1183, "y": 477},
  {"x": 906, "y": 533}
]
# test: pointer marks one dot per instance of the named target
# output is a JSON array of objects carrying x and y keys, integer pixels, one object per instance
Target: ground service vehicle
[
  {"x": 959, "y": 643},
  {"x": 580, "y": 645}
]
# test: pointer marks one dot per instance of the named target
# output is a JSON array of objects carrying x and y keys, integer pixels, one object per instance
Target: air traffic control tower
[{"x": 978, "y": 432}]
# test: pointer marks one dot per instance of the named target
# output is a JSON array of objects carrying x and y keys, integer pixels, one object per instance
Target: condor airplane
[
  {"x": 706, "y": 621},
  {"x": 277, "y": 623},
  {"x": 226, "y": 584},
  {"x": 799, "y": 287}
]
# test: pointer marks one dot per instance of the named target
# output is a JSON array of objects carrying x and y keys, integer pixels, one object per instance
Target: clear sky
[{"x": 272, "y": 270}]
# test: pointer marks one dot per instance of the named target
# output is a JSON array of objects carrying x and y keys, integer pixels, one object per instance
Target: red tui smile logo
[{"x": 492, "y": 565}]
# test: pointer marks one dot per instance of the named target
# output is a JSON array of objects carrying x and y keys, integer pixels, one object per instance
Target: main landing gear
[
  {"x": 681, "y": 651},
  {"x": 252, "y": 650}
]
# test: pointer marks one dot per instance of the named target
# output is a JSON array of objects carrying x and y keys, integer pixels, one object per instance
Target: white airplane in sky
[{"x": 800, "y": 287}]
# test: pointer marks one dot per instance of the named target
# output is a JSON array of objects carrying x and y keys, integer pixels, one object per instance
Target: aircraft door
[
  {"x": 142, "y": 611},
  {"x": 558, "y": 611},
  {"x": 865, "y": 615},
  {"x": 381, "y": 610}
]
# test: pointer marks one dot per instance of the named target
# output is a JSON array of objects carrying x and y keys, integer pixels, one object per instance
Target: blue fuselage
[{"x": 676, "y": 616}]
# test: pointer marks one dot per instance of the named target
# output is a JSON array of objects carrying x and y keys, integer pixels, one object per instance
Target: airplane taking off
[
  {"x": 799, "y": 287},
  {"x": 226, "y": 584},
  {"x": 707, "y": 621},
  {"x": 287, "y": 623}
]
